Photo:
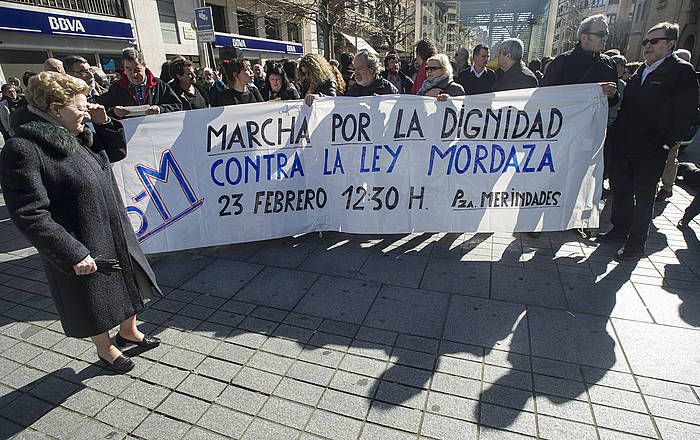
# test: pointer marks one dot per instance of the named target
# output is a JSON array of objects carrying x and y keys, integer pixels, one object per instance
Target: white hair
[
  {"x": 588, "y": 22},
  {"x": 513, "y": 47},
  {"x": 683, "y": 54}
]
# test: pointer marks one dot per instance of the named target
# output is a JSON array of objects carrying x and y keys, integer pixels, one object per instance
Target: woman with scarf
[
  {"x": 439, "y": 82},
  {"x": 61, "y": 194}
]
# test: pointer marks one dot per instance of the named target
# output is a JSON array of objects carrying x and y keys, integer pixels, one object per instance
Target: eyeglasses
[
  {"x": 601, "y": 34},
  {"x": 432, "y": 68},
  {"x": 654, "y": 41}
]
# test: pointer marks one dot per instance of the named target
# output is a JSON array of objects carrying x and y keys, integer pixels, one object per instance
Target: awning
[{"x": 359, "y": 43}]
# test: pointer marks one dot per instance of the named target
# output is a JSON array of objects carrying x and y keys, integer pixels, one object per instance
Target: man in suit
[{"x": 660, "y": 104}]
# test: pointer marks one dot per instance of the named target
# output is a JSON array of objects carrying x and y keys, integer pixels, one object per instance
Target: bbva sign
[{"x": 65, "y": 24}]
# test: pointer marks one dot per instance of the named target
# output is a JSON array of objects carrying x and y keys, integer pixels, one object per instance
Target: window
[
  {"x": 293, "y": 32},
  {"x": 219, "y": 17},
  {"x": 246, "y": 23},
  {"x": 168, "y": 21},
  {"x": 272, "y": 28}
]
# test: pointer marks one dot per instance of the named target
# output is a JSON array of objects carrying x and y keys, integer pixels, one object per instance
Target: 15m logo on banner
[{"x": 161, "y": 202}]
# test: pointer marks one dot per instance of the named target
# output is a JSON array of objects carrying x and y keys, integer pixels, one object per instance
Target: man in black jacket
[
  {"x": 393, "y": 74},
  {"x": 585, "y": 63},
  {"x": 368, "y": 81},
  {"x": 512, "y": 73},
  {"x": 478, "y": 78},
  {"x": 138, "y": 86},
  {"x": 660, "y": 104}
]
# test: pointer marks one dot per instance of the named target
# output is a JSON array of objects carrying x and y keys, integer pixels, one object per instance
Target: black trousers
[{"x": 634, "y": 179}]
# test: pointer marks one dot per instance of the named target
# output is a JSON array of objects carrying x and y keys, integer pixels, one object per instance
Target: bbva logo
[{"x": 65, "y": 24}]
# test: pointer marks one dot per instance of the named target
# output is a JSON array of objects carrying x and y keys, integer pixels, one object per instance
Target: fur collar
[{"x": 38, "y": 126}]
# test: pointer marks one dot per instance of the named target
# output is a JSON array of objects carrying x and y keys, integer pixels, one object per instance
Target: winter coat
[
  {"x": 290, "y": 93},
  {"x": 62, "y": 196},
  {"x": 190, "y": 101},
  {"x": 517, "y": 77},
  {"x": 406, "y": 82},
  {"x": 157, "y": 93},
  {"x": 658, "y": 112},
  {"x": 234, "y": 97},
  {"x": 447, "y": 85},
  {"x": 578, "y": 66},
  {"x": 380, "y": 86}
]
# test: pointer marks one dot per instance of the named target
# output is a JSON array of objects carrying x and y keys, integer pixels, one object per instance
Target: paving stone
[
  {"x": 322, "y": 356},
  {"x": 145, "y": 394},
  {"x": 393, "y": 269},
  {"x": 312, "y": 373},
  {"x": 513, "y": 420},
  {"x": 182, "y": 407},
  {"x": 564, "y": 408},
  {"x": 554, "y": 429},
  {"x": 485, "y": 323},
  {"x": 184, "y": 359},
  {"x": 123, "y": 415},
  {"x": 398, "y": 394},
  {"x": 354, "y": 384},
  {"x": 269, "y": 313},
  {"x": 296, "y": 334},
  {"x": 672, "y": 409},
  {"x": 370, "y": 350},
  {"x": 23, "y": 378},
  {"x": 674, "y": 430},
  {"x": 488, "y": 433},
  {"x": 509, "y": 397},
  {"x": 460, "y": 367},
  {"x": 340, "y": 261},
  {"x": 346, "y": 329},
  {"x": 351, "y": 299},
  {"x": 460, "y": 277},
  {"x": 399, "y": 417},
  {"x": 270, "y": 362},
  {"x": 59, "y": 423},
  {"x": 225, "y": 421},
  {"x": 91, "y": 429},
  {"x": 559, "y": 387},
  {"x": 361, "y": 365},
  {"x": 587, "y": 294},
  {"x": 54, "y": 390},
  {"x": 218, "y": 369},
  {"x": 669, "y": 390},
  {"x": 453, "y": 406},
  {"x": 346, "y": 404},
  {"x": 257, "y": 325},
  {"x": 440, "y": 427},
  {"x": 507, "y": 377},
  {"x": 241, "y": 399},
  {"x": 201, "y": 387},
  {"x": 458, "y": 386},
  {"x": 396, "y": 308},
  {"x": 413, "y": 358},
  {"x": 46, "y": 338},
  {"x": 618, "y": 398},
  {"x": 48, "y": 361},
  {"x": 23, "y": 352},
  {"x": 531, "y": 286},
  {"x": 257, "y": 380},
  {"x": 158, "y": 427},
  {"x": 165, "y": 375},
  {"x": 282, "y": 347},
  {"x": 622, "y": 420},
  {"x": 609, "y": 378},
  {"x": 263, "y": 429},
  {"x": 304, "y": 321},
  {"x": 298, "y": 391},
  {"x": 197, "y": 433},
  {"x": 414, "y": 377},
  {"x": 199, "y": 344},
  {"x": 25, "y": 410},
  {"x": 87, "y": 401},
  {"x": 677, "y": 307},
  {"x": 233, "y": 353},
  {"x": 376, "y": 335},
  {"x": 286, "y": 412},
  {"x": 177, "y": 268},
  {"x": 276, "y": 287},
  {"x": 376, "y": 432},
  {"x": 334, "y": 426},
  {"x": 328, "y": 340},
  {"x": 608, "y": 434}
]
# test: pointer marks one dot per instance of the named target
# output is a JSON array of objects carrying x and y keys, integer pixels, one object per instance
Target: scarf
[{"x": 440, "y": 82}]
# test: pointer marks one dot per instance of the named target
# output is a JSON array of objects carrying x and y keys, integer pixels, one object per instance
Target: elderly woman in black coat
[{"x": 59, "y": 189}]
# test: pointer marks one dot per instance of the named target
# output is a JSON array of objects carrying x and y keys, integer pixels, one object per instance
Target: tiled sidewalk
[{"x": 376, "y": 337}]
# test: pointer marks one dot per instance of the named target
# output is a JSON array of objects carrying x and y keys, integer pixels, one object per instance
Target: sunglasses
[
  {"x": 654, "y": 41},
  {"x": 432, "y": 68},
  {"x": 601, "y": 34}
]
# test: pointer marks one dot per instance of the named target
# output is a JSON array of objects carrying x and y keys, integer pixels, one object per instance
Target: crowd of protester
[{"x": 61, "y": 194}]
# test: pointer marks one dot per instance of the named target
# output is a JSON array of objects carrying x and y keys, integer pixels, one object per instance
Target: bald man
[{"x": 54, "y": 65}]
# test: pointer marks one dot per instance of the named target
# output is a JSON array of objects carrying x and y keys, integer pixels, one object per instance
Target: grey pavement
[{"x": 339, "y": 336}]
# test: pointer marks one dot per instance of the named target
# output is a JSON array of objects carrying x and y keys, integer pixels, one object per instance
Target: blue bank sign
[
  {"x": 39, "y": 22},
  {"x": 258, "y": 44}
]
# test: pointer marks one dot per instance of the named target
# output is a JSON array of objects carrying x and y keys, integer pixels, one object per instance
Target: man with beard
[
  {"x": 368, "y": 81},
  {"x": 393, "y": 74},
  {"x": 660, "y": 105}
]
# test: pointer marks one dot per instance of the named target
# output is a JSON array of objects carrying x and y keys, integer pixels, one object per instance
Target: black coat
[
  {"x": 157, "y": 93},
  {"x": 580, "y": 67},
  {"x": 517, "y": 77},
  {"x": 658, "y": 112},
  {"x": 406, "y": 82},
  {"x": 290, "y": 93},
  {"x": 474, "y": 85},
  {"x": 62, "y": 196},
  {"x": 380, "y": 86}
]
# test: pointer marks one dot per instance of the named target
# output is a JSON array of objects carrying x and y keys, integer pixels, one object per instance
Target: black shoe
[
  {"x": 630, "y": 253},
  {"x": 121, "y": 364},
  {"x": 683, "y": 224},
  {"x": 611, "y": 236},
  {"x": 147, "y": 341},
  {"x": 663, "y": 194}
]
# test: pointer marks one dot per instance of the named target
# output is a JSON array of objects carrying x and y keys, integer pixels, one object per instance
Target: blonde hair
[
  {"x": 46, "y": 88},
  {"x": 314, "y": 70},
  {"x": 444, "y": 61},
  {"x": 339, "y": 80}
]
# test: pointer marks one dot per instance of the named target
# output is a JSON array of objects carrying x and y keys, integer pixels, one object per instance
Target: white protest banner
[{"x": 521, "y": 160}]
